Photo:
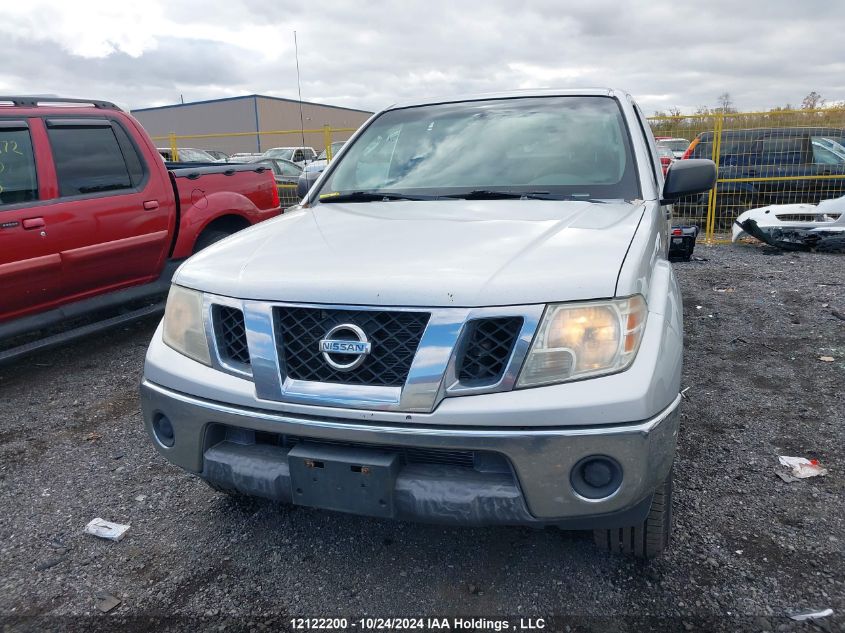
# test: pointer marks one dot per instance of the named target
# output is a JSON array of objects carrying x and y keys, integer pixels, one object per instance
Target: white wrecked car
[{"x": 796, "y": 226}]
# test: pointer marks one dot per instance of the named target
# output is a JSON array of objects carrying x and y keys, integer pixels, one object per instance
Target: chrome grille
[
  {"x": 230, "y": 332},
  {"x": 488, "y": 347},
  {"x": 394, "y": 336}
]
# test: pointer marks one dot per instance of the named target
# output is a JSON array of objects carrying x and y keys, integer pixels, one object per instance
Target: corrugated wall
[
  {"x": 229, "y": 115},
  {"x": 246, "y": 114},
  {"x": 274, "y": 114}
]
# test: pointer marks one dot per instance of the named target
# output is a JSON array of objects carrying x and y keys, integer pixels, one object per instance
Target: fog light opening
[
  {"x": 163, "y": 429},
  {"x": 596, "y": 477}
]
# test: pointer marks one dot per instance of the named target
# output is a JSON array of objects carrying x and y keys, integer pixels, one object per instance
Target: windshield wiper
[
  {"x": 368, "y": 196},
  {"x": 493, "y": 194}
]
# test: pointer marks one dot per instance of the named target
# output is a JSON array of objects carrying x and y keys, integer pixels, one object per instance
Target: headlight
[
  {"x": 577, "y": 340},
  {"x": 184, "y": 330}
]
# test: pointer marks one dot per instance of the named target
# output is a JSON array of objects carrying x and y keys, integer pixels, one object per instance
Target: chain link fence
[
  {"x": 763, "y": 158},
  {"x": 286, "y": 183}
]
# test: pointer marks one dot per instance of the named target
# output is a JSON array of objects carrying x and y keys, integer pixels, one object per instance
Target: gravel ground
[{"x": 748, "y": 549}]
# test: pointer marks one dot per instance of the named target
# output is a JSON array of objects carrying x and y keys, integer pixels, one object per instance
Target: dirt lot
[{"x": 749, "y": 548}]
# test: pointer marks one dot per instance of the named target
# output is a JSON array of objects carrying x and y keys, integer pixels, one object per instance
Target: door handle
[
  {"x": 31, "y": 224},
  {"x": 151, "y": 205}
]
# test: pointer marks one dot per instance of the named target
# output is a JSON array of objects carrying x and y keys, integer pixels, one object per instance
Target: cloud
[{"x": 765, "y": 53}]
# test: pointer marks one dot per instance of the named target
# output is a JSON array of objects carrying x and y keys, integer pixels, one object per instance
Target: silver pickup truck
[{"x": 469, "y": 319}]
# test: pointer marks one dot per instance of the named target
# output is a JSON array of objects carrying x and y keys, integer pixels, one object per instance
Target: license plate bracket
[{"x": 346, "y": 479}]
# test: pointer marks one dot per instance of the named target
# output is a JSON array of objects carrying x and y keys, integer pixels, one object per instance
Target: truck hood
[{"x": 435, "y": 254}]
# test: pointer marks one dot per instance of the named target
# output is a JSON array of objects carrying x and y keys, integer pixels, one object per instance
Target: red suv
[{"x": 92, "y": 217}]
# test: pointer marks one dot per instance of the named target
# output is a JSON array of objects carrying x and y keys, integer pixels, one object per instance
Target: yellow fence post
[
  {"x": 710, "y": 224},
  {"x": 174, "y": 151},
  {"x": 327, "y": 141}
]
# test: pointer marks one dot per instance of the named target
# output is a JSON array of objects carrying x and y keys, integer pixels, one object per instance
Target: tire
[
  {"x": 648, "y": 539},
  {"x": 209, "y": 237}
]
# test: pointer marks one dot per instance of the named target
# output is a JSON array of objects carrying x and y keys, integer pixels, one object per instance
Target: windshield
[
  {"x": 564, "y": 146},
  {"x": 195, "y": 156},
  {"x": 676, "y": 145},
  {"x": 285, "y": 153}
]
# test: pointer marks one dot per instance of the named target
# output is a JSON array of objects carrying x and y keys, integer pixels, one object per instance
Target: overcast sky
[{"x": 370, "y": 54}]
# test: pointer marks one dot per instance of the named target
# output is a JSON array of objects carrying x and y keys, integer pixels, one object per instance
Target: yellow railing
[{"x": 328, "y": 132}]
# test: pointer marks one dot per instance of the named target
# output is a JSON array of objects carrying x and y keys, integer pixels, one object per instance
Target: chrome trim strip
[
  {"x": 640, "y": 428},
  {"x": 261, "y": 339},
  {"x": 422, "y": 387},
  {"x": 236, "y": 369},
  {"x": 531, "y": 315},
  {"x": 335, "y": 395}
]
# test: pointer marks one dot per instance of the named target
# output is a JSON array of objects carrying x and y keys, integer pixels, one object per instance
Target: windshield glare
[
  {"x": 679, "y": 145},
  {"x": 279, "y": 153},
  {"x": 571, "y": 146}
]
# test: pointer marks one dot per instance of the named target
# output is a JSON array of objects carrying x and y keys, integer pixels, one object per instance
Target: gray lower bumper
[{"x": 537, "y": 491}]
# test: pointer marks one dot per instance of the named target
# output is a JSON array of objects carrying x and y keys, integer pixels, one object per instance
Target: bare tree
[
  {"x": 812, "y": 101},
  {"x": 725, "y": 103},
  {"x": 674, "y": 111}
]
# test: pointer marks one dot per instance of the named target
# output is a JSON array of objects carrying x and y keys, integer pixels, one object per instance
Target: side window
[
  {"x": 653, "y": 158},
  {"x": 297, "y": 156},
  {"x": 290, "y": 170},
  {"x": 88, "y": 160},
  {"x": 130, "y": 155},
  {"x": 18, "y": 181}
]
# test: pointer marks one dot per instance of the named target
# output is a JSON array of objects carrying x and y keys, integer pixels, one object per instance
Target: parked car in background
[
  {"x": 829, "y": 146},
  {"x": 286, "y": 174},
  {"x": 313, "y": 170},
  {"x": 217, "y": 154},
  {"x": 298, "y": 155},
  {"x": 802, "y": 153},
  {"x": 487, "y": 330},
  {"x": 240, "y": 157},
  {"x": 91, "y": 218},
  {"x": 186, "y": 155},
  {"x": 667, "y": 157},
  {"x": 677, "y": 145}
]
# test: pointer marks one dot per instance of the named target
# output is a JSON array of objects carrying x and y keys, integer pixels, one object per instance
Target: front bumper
[{"x": 535, "y": 490}]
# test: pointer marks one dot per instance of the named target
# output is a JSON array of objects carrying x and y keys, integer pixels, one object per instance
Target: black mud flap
[{"x": 355, "y": 480}]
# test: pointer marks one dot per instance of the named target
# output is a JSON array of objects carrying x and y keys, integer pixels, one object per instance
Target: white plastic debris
[
  {"x": 811, "y": 615},
  {"x": 106, "y": 529},
  {"x": 801, "y": 468}
]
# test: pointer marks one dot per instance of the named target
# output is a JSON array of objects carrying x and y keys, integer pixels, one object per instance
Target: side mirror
[{"x": 687, "y": 177}]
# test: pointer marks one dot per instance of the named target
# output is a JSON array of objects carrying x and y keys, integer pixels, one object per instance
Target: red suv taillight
[{"x": 276, "y": 201}]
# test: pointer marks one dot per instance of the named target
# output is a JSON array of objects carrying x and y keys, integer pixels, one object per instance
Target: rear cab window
[
  {"x": 18, "y": 178},
  {"x": 93, "y": 157}
]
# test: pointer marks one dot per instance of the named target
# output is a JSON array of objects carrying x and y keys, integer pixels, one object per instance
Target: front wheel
[
  {"x": 209, "y": 237},
  {"x": 649, "y": 538}
]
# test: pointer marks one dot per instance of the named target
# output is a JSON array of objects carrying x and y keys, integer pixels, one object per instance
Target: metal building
[{"x": 248, "y": 114}]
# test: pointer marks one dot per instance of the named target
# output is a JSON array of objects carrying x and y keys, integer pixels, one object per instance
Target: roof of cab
[{"x": 511, "y": 94}]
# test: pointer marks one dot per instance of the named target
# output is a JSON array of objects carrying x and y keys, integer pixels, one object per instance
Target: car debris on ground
[
  {"x": 796, "y": 227},
  {"x": 801, "y": 468},
  {"x": 106, "y": 602},
  {"x": 811, "y": 615},
  {"x": 106, "y": 529}
]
